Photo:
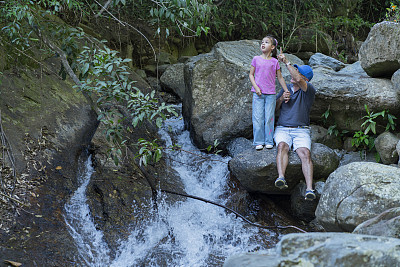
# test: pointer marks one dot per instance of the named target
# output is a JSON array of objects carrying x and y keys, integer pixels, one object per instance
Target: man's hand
[{"x": 282, "y": 57}]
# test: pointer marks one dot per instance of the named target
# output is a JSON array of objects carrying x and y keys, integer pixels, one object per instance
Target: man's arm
[{"x": 296, "y": 76}]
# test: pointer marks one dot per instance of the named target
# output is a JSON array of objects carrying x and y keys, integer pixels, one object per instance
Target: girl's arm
[
  {"x": 285, "y": 97},
  {"x": 281, "y": 80},
  {"x": 282, "y": 83},
  {"x": 253, "y": 81}
]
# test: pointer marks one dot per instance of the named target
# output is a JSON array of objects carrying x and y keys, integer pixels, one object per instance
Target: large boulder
[
  {"x": 385, "y": 224},
  {"x": 346, "y": 94},
  {"x": 357, "y": 192},
  {"x": 256, "y": 170},
  {"x": 324, "y": 249},
  {"x": 217, "y": 102},
  {"x": 380, "y": 53}
]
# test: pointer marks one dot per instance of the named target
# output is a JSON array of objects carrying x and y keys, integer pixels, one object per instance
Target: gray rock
[
  {"x": 256, "y": 170},
  {"x": 325, "y": 250},
  {"x": 398, "y": 151},
  {"x": 357, "y": 192},
  {"x": 354, "y": 69},
  {"x": 173, "y": 79},
  {"x": 301, "y": 208},
  {"x": 396, "y": 80},
  {"x": 239, "y": 145},
  {"x": 385, "y": 224},
  {"x": 345, "y": 95},
  {"x": 356, "y": 156},
  {"x": 380, "y": 53},
  {"x": 320, "y": 135},
  {"x": 324, "y": 60},
  {"x": 385, "y": 144}
]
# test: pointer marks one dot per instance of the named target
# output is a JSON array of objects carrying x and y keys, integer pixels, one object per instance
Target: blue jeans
[{"x": 263, "y": 119}]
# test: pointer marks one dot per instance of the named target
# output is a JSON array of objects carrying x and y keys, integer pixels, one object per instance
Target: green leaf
[
  {"x": 158, "y": 155},
  {"x": 159, "y": 122},
  {"x": 373, "y": 127}
]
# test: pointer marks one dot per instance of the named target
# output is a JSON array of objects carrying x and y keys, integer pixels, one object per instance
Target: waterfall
[
  {"x": 187, "y": 233},
  {"x": 88, "y": 239}
]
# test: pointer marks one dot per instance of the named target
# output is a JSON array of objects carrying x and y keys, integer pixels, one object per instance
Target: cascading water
[
  {"x": 187, "y": 233},
  {"x": 89, "y": 240}
]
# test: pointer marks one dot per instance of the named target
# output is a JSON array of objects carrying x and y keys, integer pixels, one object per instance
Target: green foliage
[
  {"x": 326, "y": 115},
  {"x": 333, "y": 130},
  {"x": 184, "y": 15},
  {"x": 391, "y": 124},
  {"x": 362, "y": 141},
  {"x": 393, "y": 12},
  {"x": 105, "y": 74},
  {"x": 213, "y": 148},
  {"x": 149, "y": 152},
  {"x": 370, "y": 124}
]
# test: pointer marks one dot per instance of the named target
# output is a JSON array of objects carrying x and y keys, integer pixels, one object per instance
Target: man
[{"x": 293, "y": 126}]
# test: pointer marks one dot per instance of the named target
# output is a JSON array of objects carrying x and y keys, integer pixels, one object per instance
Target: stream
[{"x": 186, "y": 233}]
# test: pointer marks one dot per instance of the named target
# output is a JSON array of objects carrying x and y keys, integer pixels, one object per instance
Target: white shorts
[{"x": 298, "y": 137}]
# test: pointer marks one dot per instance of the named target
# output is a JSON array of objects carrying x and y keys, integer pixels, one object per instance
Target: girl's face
[{"x": 267, "y": 45}]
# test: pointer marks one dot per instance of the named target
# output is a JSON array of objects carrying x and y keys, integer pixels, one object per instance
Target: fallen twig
[{"x": 13, "y": 199}]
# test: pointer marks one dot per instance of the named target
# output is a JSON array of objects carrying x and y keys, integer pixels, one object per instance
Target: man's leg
[
  {"x": 306, "y": 165},
  {"x": 282, "y": 158}
]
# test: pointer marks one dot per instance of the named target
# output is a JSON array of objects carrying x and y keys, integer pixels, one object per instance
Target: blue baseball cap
[{"x": 305, "y": 70}]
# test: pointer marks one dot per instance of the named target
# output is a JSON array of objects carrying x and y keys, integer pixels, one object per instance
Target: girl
[{"x": 264, "y": 69}]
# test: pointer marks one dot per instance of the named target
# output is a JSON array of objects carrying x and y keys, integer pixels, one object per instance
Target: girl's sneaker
[
  {"x": 259, "y": 147},
  {"x": 269, "y": 146}
]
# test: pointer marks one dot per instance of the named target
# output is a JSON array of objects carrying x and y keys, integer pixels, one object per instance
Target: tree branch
[
  {"x": 62, "y": 56},
  {"x": 103, "y": 8}
]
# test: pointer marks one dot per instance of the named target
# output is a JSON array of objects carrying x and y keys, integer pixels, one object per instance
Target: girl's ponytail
[{"x": 274, "y": 52}]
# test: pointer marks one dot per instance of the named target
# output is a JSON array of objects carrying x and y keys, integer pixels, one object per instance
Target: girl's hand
[
  {"x": 286, "y": 96},
  {"x": 258, "y": 91}
]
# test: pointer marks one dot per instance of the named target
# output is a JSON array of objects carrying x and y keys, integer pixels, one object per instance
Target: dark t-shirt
[{"x": 297, "y": 111}]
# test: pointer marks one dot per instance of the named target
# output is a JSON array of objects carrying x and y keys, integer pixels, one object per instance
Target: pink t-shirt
[{"x": 265, "y": 74}]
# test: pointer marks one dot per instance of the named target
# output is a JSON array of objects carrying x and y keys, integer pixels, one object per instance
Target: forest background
[{"x": 136, "y": 33}]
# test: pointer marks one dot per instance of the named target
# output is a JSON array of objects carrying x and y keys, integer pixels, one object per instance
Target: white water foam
[
  {"x": 187, "y": 233},
  {"x": 191, "y": 232},
  {"x": 92, "y": 249}
]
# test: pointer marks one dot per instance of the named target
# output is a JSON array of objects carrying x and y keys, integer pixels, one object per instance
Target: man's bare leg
[
  {"x": 306, "y": 165},
  {"x": 282, "y": 158}
]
